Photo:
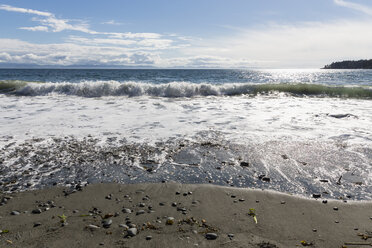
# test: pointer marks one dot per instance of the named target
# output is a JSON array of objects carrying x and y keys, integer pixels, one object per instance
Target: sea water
[{"x": 294, "y": 131}]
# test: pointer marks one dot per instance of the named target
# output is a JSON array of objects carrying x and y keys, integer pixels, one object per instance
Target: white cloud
[
  {"x": 36, "y": 28},
  {"x": 23, "y": 10},
  {"x": 112, "y": 22},
  {"x": 355, "y": 6},
  {"x": 299, "y": 45}
]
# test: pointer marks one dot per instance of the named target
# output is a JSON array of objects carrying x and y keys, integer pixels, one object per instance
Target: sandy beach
[{"x": 178, "y": 215}]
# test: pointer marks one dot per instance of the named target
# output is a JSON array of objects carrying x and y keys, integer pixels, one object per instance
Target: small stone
[
  {"x": 140, "y": 212},
  {"x": 266, "y": 179},
  {"x": 233, "y": 196},
  {"x": 132, "y": 232},
  {"x": 241, "y": 200},
  {"x": 174, "y": 204},
  {"x": 177, "y": 193},
  {"x": 316, "y": 195},
  {"x": 92, "y": 227},
  {"x": 36, "y": 211},
  {"x": 107, "y": 223},
  {"x": 170, "y": 221},
  {"x": 161, "y": 203},
  {"x": 314, "y": 230},
  {"x": 148, "y": 237},
  {"x": 142, "y": 205},
  {"x": 230, "y": 235},
  {"x": 244, "y": 164},
  {"x": 257, "y": 201},
  {"x": 336, "y": 221},
  {"x": 282, "y": 202},
  {"x": 185, "y": 194},
  {"x": 131, "y": 225},
  {"x": 356, "y": 228},
  {"x": 124, "y": 226},
  {"x": 335, "y": 208},
  {"x": 15, "y": 213},
  {"x": 101, "y": 243},
  {"x": 325, "y": 201},
  {"x": 126, "y": 210},
  {"x": 190, "y": 192},
  {"x": 36, "y": 224},
  {"x": 211, "y": 236}
]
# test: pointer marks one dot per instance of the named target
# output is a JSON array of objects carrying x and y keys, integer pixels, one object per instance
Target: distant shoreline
[{"x": 350, "y": 64}]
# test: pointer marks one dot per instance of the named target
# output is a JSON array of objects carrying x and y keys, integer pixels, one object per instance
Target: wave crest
[{"x": 175, "y": 89}]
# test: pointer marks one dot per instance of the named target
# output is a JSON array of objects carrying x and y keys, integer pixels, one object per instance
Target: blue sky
[{"x": 185, "y": 33}]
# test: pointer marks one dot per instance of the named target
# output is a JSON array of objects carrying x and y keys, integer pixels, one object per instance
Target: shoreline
[{"x": 283, "y": 220}]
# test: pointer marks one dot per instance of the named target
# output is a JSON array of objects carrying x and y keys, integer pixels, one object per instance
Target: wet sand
[{"x": 77, "y": 219}]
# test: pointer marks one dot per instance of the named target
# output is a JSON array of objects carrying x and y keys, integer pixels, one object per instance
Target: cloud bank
[{"x": 307, "y": 44}]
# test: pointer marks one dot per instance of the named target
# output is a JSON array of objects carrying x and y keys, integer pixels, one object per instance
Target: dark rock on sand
[
  {"x": 36, "y": 211},
  {"x": 211, "y": 236},
  {"x": 107, "y": 223},
  {"x": 15, "y": 213}
]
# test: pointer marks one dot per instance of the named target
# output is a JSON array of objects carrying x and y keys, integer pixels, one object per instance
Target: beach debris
[
  {"x": 305, "y": 243},
  {"x": 366, "y": 235},
  {"x": 252, "y": 212},
  {"x": 323, "y": 180},
  {"x": 211, "y": 236},
  {"x": 4, "y": 231},
  {"x": 63, "y": 218},
  {"x": 9, "y": 241}
]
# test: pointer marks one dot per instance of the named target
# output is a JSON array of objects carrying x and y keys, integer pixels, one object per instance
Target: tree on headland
[{"x": 350, "y": 64}]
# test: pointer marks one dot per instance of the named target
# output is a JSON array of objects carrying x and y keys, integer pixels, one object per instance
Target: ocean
[{"x": 301, "y": 132}]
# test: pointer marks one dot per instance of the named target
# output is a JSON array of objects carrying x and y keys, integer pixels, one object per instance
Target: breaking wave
[{"x": 176, "y": 89}]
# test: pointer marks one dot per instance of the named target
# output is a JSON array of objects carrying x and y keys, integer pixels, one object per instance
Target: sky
[{"x": 184, "y": 33}]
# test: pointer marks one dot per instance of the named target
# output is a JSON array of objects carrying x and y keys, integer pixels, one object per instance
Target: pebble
[
  {"x": 140, "y": 212},
  {"x": 211, "y": 236},
  {"x": 314, "y": 230},
  {"x": 124, "y": 226},
  {"x": 36, "y": 211},
  {"x": 241, "y": 200},
  {"x": 126, "y": 210},
  {"x": 142, "y": 205},
  {"x": 15, "y": 213},
  {"x": 335, "y": 208},
  {"x": 282, "y": 202},
  {"x": 107, "y": 223},
  {"x": 148, "y": 237},
  {"x": 230, "y": 235},
  {"x": 177, "y": 193},
  {"x": 161, "y": 203},
  {"x": 174, "y": 204},
  {"x": 316, "y": 195},
  {"x": 132, "y": 232},
  {"x": 37, "y": 224},
  {"x": 325, "y": 201},
  {"x": 244, "y": 164},
  {"x": 170, "y": 221},
  {"x": 92, "y": 227}
]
